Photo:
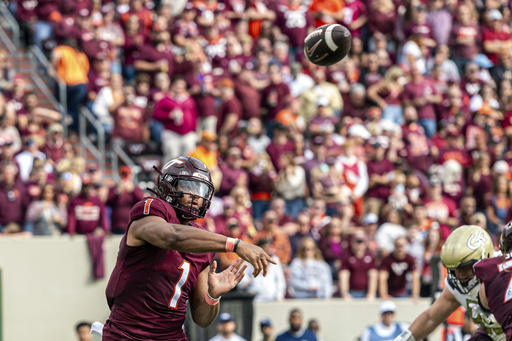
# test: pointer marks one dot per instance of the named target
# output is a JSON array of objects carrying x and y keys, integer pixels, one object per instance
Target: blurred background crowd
[{"x": 350, "y": 175}]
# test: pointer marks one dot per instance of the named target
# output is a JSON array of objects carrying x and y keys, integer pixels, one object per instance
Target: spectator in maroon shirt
[
  {"x": 86, "y": 213},
  {"x": 331, "y": 244},
  {"x": 393, "y": 272},
  {"x": 99, "y": 77},
  {"x": 130, "y": 122},
  {"x": 185, "y": 30},
  {"x": 387, "y": 94},
  {"x": 273, "y": 96},
  {"x": 229, "y": 112},
  {"x": 356, "y": 105},
  {"x": 417, "y": 148},
  {"x": 157, "y": 56},
  {"x": 464, "y": 38},
  {"x": 26, "y": 17},
  {"x": 13, "y": 199},
  {"x": 467, "y": 209},
  {"x": 232, "y": 172},
  {"x": 54, "y": 144},
  {"x": 480, "y": 179},
  {"x": 380, "y": 173},
  {"x": 178, "y": 113},
  {"x": 249, "y": 96},
  {"x": 420, "y": 26},
  {"x": 279, "y": 145},
  {"x": 358, "y": 276},
  {"x": 295, "y": 22},
  {"x": 201, "y": 84},
  {"x": 218, "y": 224},
  {"x": 496, "y": 36},
  {"x": 422, "y": 93},
  {"x": 382, "y": 17},
  {"x": 261, "y": 184},
  {"x": 133, "y": 41},
  {"x": 121, "y": 199}
]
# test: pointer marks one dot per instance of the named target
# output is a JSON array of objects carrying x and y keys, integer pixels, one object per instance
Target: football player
[
  {"x": 496, "y": 276},
  {"x": 164, "y": 260},
  {"x": 464, "y": 247}
]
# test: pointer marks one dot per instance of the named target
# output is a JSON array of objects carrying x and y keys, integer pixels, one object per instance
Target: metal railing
[
  {"x": 86, "y": 118},
  {"x": 11, "y": 22}
]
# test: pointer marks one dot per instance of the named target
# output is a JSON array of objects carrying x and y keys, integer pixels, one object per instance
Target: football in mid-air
[{"x": 328, "y": 44}]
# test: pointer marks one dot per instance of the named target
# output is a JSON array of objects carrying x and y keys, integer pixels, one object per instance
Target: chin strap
[{"x": 405, "y": 336}]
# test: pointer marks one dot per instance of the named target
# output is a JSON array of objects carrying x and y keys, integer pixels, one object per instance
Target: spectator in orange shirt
[
  {"x": 271, "y": 229},
  {"x": 72, "y": 67},
  {"x": 327, "y": 11}
]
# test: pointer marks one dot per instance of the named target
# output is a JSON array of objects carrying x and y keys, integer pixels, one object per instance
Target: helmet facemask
[
  {"x": 173, "y": 188},
  {"x": 463, "y": 285}
]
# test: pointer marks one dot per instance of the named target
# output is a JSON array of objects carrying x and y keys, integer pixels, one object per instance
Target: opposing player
[
  {"x": 496, "y": 276},
  {"x": 464, "y": 247},
  {"x": 164, "y": 260}
]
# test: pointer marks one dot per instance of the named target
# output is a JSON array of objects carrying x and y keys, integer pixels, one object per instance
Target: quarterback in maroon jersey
[
  {"x": 496, "y": 288},
  {"x": 164, "y": 260}
]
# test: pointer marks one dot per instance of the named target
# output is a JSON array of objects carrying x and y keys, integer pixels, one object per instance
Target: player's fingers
[
  {"x": 257, "y": 268},
  {"x": 237, "y": 264},
  {"x": 270, "y": 259},
  {"x": 213, "y": 267},
  {"x": 240, "y": 274},
  {"x": 264, "y": 263}
]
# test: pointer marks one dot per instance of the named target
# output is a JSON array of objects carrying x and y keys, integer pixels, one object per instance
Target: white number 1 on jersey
[
  {"x": 185, "y": 271},
  {"x": 508, "y": 293}
]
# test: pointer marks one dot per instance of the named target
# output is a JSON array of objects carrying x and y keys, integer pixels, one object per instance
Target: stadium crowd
[{"x": 351, "y": 176}]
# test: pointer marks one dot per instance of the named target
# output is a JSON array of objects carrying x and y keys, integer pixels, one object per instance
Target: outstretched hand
[
  {"x": 256, "y": 256},
  {"x": 220, "y": 283}
]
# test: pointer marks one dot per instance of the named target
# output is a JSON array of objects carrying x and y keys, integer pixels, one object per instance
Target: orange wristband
[
  {"x": 210, "y": 300},
  {"x": 230, "y": 244}
]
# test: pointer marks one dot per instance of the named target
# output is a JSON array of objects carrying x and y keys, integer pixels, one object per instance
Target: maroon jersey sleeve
[
  {"x": 496, "y": 275},
  {"x": 149, "y": 287}
]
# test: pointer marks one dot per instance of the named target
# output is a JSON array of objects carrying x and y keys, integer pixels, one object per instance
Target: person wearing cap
[
  {"x": 206, "y": 150},
  {"x": 226, "y": 327},
  {"x": 232, "y": 172},
  {"x": 380, "y": 172},
  {"x": 358, "y": 274},
  {"x": 86, "y": 212},
  {"x": 321, "y": 120},
  {"x": 25, "y": 159},
  {"x": 267, "y": 330},
  {"x": 495, "y": 38},
  {"x": 121, "y": 199},
  {"x": 387, "y": 328}
]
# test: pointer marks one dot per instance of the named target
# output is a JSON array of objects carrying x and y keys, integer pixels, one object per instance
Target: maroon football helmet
[
  {"x": 185, "y": 175},
  {"x": 506, "y": 238}
]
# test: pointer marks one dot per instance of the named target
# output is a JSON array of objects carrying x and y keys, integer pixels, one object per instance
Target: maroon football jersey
[
  {"x": 149, "y": 287},
  {"x": 497, "y": 278}
]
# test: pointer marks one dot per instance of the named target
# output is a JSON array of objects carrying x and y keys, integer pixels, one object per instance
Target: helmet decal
[
  {"x": 173, "y": 162},
  {"x": 478, "y": 241}
]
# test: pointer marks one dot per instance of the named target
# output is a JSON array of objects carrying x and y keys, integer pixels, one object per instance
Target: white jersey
[{"x": 482, "y": 319}]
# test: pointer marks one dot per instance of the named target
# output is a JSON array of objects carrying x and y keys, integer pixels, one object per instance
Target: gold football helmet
[{"x": 465, "y": 246}]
